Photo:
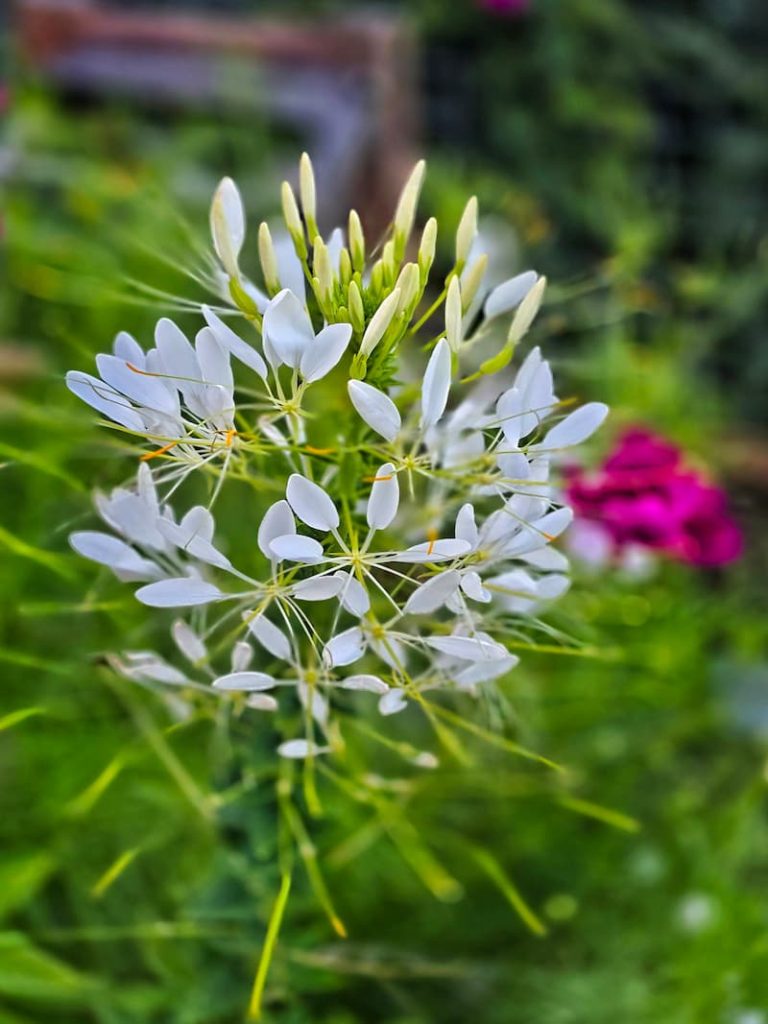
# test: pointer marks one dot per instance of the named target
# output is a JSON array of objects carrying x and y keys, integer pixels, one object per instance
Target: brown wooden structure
[{"x": 346, "y": 85}]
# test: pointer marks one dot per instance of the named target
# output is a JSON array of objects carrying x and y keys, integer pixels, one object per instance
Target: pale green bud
[
  {"x": 379, "y": 323},
  {"x": 466, "y": 231},
  {"x": 472, "y": 280},
  {"x": 526, "y": 312},
  {"x": 389, "y": 263},
  {"x": 405, "y": 212},
  {"x": 308, "y": 194},
  {"x": 293, "y": 220},
  {"x": 408, "y": 283},
  {"x": 321, "y": 267},
  {"x": 376, "y": 280},
  {"x": 345, "y": 267},
  {"x": 268, "y": 260},
  {"x": 453, "y": 330},
  {"x": 355, "y": 306},
  {"x": 356, "y": 241},
  {"x": 427, "y": 247}
]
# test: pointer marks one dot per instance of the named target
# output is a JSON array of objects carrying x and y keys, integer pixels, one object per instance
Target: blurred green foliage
[{"x": 140, "y": 851}]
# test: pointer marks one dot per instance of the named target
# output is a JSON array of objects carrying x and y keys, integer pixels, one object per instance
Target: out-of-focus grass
[{"x": 141, "y": 852}]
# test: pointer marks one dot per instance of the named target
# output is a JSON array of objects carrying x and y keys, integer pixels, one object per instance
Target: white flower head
[{"x": 392, "y": 516}]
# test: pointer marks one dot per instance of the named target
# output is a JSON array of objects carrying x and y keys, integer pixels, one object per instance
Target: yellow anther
[
  {"x": 229, "y": 436},
  {"x": 432, "y": 536},
  {"x": 158, "y": 451},
  {"x": 318, "y": 451},
  {"x": 144, "y": 373}
]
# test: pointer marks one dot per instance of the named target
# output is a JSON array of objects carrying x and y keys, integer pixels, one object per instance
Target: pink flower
[{"x": 645, "y": 496}]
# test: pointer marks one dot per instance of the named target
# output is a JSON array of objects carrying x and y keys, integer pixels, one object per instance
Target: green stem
[{"x": 270, "y": 941}]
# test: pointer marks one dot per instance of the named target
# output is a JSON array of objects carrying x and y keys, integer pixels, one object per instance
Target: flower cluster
[
  {"x": 397, "y": 486},
  {"x": 644, "y": 496}
]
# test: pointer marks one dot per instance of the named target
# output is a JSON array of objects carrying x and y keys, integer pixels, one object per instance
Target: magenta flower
[{"x": 645, "y": 497}]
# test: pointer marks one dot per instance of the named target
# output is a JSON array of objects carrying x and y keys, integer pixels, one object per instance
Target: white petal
[
  {"x": 317, "y": 588},
  {"x": 472, "y": 586},
  {"x": 289, "y": 268},
  {"x": 269, "y": 636},
  {"x": 287, "y": 328},
  {"x": 188, "y": 642},
  {"x": 548, "y": 559},
  {"x": 576, "y": 427},
  {"x": 300, "y": 749},
  {"x": 437, "y": 384},
  {"x": 242, "y": 656},
  {"x": 433, "y": 551},
  {"x": 485, "y": 671},
  {"x": 377, "y": 409},
  {"x": 178, "y": 593},
  {"x": 345, "y": 648},
  {"x": 262, "y": 702},
  {"x": 227, "y": 224},
  {"x": 311, "y": 503},
  {"x": 245, "y": 681},
  {"x": 509, "y": 415},
  {"x": 113, "y": 552},
  {"x": 509, "y": 294},
  {"x": 353, "y": 595},
  {"x": 384, "y": 499},
  {"x": 277, "y": 522},
  {"x": 539, "y": 532},
  {"x": 369, "y": 683},
  {"x": 104, "y": 399},
  {"x": 213, "y": 359},
  {"x": 434, "y": 593},
  {"x": 393, "y": 702},
  {"x": 240, "y": 349},
  {"x": 126, "y": 347},
  {"x": 466, "y": 528},
  {"x": 140, "y": 387},
  {"x": 322, "y": 354},
  {"x": 178, "y": 360},
  {"x": 295, "y": 548},
  {"x": 549, "y": 588},
  {"x": 467, "y": 648}
]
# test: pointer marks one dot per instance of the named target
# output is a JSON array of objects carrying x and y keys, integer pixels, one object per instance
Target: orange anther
[
  {"x": 158, "y": 451},
  {"x": 144, "y": 373},
  {"x": 229, "y": 436}
]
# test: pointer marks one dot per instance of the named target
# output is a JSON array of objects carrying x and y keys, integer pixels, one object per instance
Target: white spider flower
[{"x": 396, "y": 523}]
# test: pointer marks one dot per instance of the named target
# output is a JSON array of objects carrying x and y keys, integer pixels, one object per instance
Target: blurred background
[{"x": 622, "y": 149}]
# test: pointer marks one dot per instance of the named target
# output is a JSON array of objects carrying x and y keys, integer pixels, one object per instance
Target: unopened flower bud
[
  {"x": 345, "y": 267},
  {"x": 408, "y": 284},
  {"x": 321, "y": 266},
  {"x": 472, "y": 280},
  {"x": 227, "y": 221},
  {"x": 389, "y": 262},
  {"x": 355, "y": 306},
  {"x": 453, "y": 315},
  {"x": 356, "y": 241},
  {"x": 268, "y": 260},
  {"x": 307, "y": 194},
  {"x": 406, "y": 209},
  {"x": 376, "y": 280},
  {"x": 466, "y": 231},
  {"x": 427, "y": 247},
  {"x": 293, "y": 220},
  {"x": 526, "y": 312},
  {"x": 379, "y": 323}
]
